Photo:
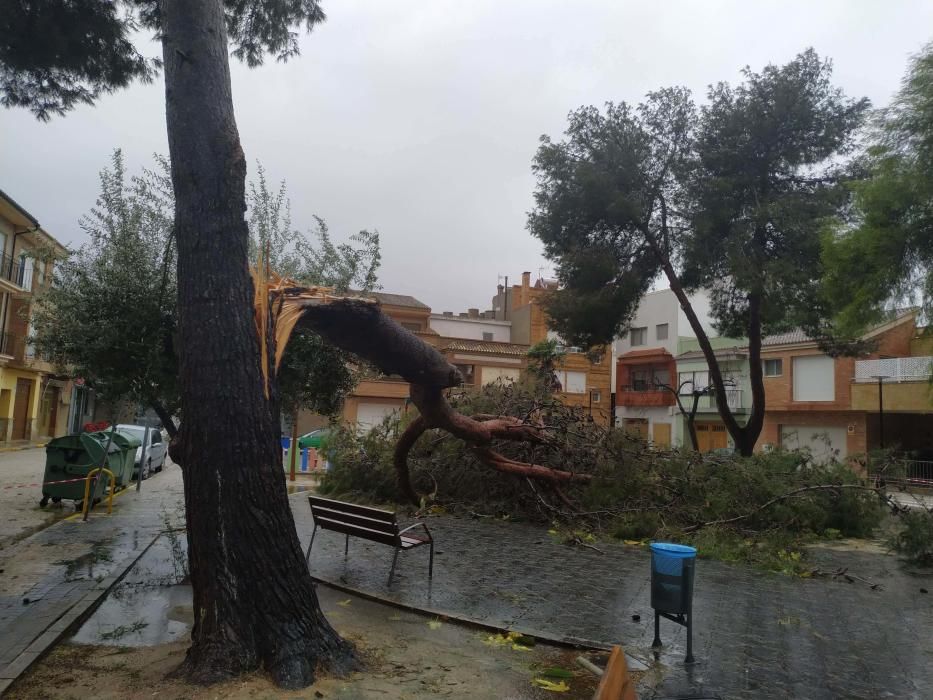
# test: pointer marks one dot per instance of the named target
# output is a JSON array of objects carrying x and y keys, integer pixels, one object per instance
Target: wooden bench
[
  {"x": 369, "y": 524},
  {"x": 616, "y": 683}
]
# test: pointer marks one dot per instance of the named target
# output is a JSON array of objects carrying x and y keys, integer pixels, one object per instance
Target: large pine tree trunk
[{"x": 254, "y": 602}]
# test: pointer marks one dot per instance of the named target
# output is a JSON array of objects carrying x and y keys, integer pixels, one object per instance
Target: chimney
[
  {"x": 526, "y": 280},
  {"x": 448, "y": 313},
  {"x": 474, "y": 313}
]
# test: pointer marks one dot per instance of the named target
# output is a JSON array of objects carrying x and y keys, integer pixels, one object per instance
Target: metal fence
[
  {"x": 906, "y": 472},
  {"x": 17, "y": 271}
]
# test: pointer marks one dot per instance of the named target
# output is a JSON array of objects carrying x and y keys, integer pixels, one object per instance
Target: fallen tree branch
[
  {"x": 782, "y": 497},
  {"x": 361, "y": 328}
]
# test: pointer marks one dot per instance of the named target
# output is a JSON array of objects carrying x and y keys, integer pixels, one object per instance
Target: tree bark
[
  {"x": 755, "y": 377},
  {"x": 254, "y": 601},
  {"x": 688, "y": 417}
]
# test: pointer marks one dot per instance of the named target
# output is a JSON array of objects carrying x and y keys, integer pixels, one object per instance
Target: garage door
[
  {"x": 369, "y": 415},
  {"x": 823, "y": 442},
  {"x": 711, "y": 436}
]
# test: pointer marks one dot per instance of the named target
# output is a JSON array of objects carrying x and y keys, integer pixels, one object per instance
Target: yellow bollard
[{"x": 87, "y": 490}]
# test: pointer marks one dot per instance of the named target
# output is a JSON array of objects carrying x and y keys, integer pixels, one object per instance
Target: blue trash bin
[{"x": 672, "y": 571}]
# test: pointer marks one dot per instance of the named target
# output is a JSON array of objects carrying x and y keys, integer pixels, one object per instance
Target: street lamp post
[{"x": 880, "y": 378}]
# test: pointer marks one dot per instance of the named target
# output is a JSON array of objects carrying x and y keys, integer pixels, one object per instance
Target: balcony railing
[
  {"x": 8, "y": 344},
  {"x": 708, "y": 402},
  {"x": 642, "y": 394},
  {"x": 17, "y": 271},
  {"x": 15, "y": 346},
  {"x": 895, "y": 369}
]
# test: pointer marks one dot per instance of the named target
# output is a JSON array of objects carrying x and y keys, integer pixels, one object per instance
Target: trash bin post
[
  {"x": 688, "y": 574},
  {"x": 672, "y": 574}
]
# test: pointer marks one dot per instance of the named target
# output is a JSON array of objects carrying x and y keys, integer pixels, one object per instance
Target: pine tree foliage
[
  {"x": 731, "y": 198},
  {"x": 57, "y": 54},
  {"x": 880, "y": 255}
]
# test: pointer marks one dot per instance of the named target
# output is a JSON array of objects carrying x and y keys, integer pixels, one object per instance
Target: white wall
[
  {"x": 470, "y": 328},
  {"x": 700, "y": 304},
  {"x": 662, "y": 307}
]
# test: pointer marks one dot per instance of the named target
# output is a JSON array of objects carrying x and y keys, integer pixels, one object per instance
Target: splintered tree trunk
[{"x": 254, "y": 602}]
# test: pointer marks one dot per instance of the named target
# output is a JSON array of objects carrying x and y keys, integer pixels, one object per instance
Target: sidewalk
[
  {"x": 56, "y": 576},
  {"x": 756, "y": 634}
]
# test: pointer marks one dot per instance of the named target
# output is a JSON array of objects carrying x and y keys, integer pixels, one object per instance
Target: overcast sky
[{"x": 420, "y": 118}]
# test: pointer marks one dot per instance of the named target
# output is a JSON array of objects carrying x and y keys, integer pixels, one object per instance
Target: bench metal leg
[
  {"x": 308, "y": 555},
  {"x": 394, "y": 561},
  {"x": 346, "y": 547},
  {"x": 431, "y": 562}
]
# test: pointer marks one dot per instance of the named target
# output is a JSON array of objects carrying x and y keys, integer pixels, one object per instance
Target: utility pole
[{"x": 880, "y": 378}]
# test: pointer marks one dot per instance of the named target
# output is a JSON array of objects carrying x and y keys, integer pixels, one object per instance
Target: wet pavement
[
  {"x": 21, "y": 473},
  {"x": 756, "y": 634},
  {"x": 54, "y": 577}
]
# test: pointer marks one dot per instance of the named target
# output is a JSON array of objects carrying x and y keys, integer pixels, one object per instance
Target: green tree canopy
[
  {"x": 730, "y": 198},
  {"x": 880, "y": 254},
  {"x": 57, "y": 54}
]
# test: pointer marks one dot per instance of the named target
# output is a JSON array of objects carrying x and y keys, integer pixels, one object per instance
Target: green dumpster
[
  {"x": 128, "y": 444},
  {"x": 68, "y": 460}
]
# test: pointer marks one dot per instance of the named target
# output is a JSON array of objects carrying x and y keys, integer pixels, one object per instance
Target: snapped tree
[
  {"x": 729, "y": 198},
  {"x": 254, "y": 602},
  {"x": 111, "y": 317}
]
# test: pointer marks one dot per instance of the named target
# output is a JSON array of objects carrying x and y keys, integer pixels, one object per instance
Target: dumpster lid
[
  {"x": 94, "y": 444},
  {"x": 125, "y": 439}
]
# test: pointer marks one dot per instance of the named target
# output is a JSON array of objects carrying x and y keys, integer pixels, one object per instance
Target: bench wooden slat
[
  {"x": 374, "y": 513},
  {"x": 361, "y": 520},
  {"x": 357, "y": 531}
]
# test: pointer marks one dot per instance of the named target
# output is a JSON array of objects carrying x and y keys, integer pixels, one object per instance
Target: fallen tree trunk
[{"x": 360, "y": 327}]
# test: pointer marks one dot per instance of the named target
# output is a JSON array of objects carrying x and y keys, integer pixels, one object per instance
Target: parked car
[{"x": 156, "y": 452}]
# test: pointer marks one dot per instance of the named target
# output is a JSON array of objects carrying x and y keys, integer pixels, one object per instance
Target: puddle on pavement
[
  {"x": 151, "y": 605},
  {"x": 299, "y": 488},
  {"x": 138, "y": 616},
  {"x": 95, "y": 564}
]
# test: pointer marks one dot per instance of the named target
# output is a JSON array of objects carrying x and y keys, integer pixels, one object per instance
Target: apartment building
[
  {"x": 646, "y": 358},
  {"x": 586, "y": 380},
  {"x": 830, "y": 405},
  {"x": 35, "y": 402}
]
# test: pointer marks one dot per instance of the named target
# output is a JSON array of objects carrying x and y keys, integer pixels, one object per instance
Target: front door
[
  {"x": 636, "y": 426},
  {"x": 21, "y": 409},
  {"x": 662, "y": 434},
  {"x": 49, "y": 411},
  {"x": 711, "y": 436}
]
